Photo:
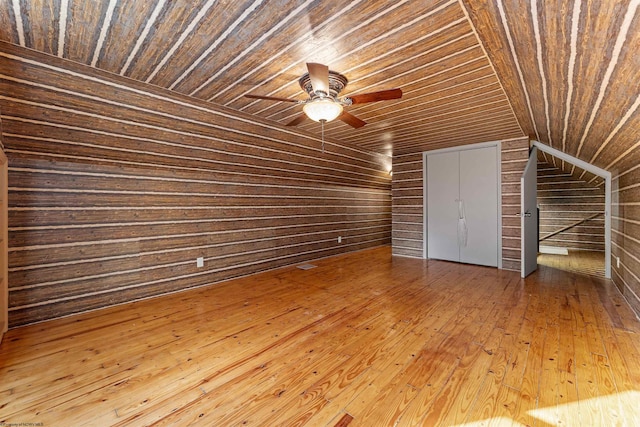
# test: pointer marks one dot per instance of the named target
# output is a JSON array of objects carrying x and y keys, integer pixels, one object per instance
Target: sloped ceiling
[
  {"x": 571, "y": 70},
  {"x": 575, "y": 172},
  {"x": 220, "y": 50},
  {"x": 565, "y": 73}
]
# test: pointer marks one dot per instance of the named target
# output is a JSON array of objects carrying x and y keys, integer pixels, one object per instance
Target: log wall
[
  {"x": 116, "y": 187},
  {"x": 408, "y": 205},
  {"x": 625, "y": 229},
  {"x": 564, "y": 200},
  {"x": 515, "y": 154}
]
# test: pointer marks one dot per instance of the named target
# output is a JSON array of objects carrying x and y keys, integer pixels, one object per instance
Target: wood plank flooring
[
  {"x": 363, "y": 339},
  {"x": 590, "y": 263}
]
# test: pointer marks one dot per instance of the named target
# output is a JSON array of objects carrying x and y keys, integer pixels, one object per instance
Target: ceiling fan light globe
[{"x": 322, "y": 110}]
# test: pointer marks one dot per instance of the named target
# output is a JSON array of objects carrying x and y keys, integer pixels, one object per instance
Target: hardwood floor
[
  {"x": 363, "y": 339},
  {"x": 590, "y": 263}
]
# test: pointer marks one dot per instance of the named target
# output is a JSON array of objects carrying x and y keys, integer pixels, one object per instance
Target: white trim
[
  {"x": 539, "y": 53},
  {"x": 145, "y": 32},
  {"x": 606, "y": 175},
  {"x": 425, "y": 210},
  {"x": 516, "y": 61},
  {"x": 484, "y": 50},
  {"x": 106, "y": 23},
  {"x": 613, "y": 62},
  {"x": 498, "y": 146},
  {"x": 238, "y": 56},
  {"x": 499, "y": 185},
  {"x": 461, "y": 148},
  {"x": 532, "y": 162},
  {"x": 573, "y": 160},
  {"x": 221, "y": 38},
  {"x": 406, "y": 256},
  {"x": 575, "y": 23},
  {"x": 62, "y": 27},
  {"x": 186, "y": 33},
  {"x": 17, "y": 14}
]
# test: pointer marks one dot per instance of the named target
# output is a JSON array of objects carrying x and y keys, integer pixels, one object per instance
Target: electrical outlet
[
  {"x": 339, "y": 239},
  {"x": 618, "y": 262},
  {"x": 200, "y": 262}
]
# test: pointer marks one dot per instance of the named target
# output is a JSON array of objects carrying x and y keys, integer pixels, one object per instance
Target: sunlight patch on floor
[
  {"x": 493, "y": 422},
  {"x": 620, "y": 409}
]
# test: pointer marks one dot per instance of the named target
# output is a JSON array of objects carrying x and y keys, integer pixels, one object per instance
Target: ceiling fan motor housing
[{"x": 337, "y": 82}]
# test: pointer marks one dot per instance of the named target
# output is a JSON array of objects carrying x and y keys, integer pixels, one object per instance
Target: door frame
[
  {"x": 525, "y": 244},
  {"x": 425, "y": 189},
  {"x": 606, "y": 175},
  {"x": 4, "y": 279}
]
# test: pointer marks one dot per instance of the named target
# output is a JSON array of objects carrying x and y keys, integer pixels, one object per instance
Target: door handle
[
  {"x": 460, "y": 208},
  {"x": 462, "y": 224},
  {"x": 463, "y": 232},
  {"x": 526, "y": 214}
]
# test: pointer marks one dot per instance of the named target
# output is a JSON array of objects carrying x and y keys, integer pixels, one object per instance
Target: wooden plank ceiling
[
  {"x": 571, "y": 70},
  {"x": 220, "y": 50},
  {"x": 566, "y": 74}
]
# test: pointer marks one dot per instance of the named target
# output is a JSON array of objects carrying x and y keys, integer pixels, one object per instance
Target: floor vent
[{"x": 306, "y": 266}]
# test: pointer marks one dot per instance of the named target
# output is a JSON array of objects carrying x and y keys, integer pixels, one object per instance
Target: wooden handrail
[{"x": 571, "y": 226}]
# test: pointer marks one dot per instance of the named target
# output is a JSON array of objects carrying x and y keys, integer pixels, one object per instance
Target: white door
[
  {"x": 529, "y": 215},
  {"x": 442, "y": 214},
  {"x": 478, "y": 204}
]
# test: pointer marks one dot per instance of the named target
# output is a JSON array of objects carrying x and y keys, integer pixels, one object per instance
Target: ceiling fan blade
[
  {"x": 382, "y": 95},
  {"x": 271, "y": 98},
  {"x": 351, "y": 120},
  {"x": 297, "y": 120},
  {"x": 319, "y": 76}
]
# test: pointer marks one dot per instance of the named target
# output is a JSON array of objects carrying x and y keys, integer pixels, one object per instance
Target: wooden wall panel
[
  {"x": 625, "y": 235},
  {"x": 408, "y": 202},
  {"x": 514, "y": 157},
  {"x": 408, "y": 206},
  {"x": 564, "y": 200},
  {"x": 4, "y": 284},
  {"x": 116, "y": 187}
]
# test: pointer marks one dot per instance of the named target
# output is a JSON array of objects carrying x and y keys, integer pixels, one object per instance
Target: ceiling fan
[{"x": 324, "y": 105}]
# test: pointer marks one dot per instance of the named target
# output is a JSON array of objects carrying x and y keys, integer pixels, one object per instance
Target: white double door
[{"x": 462, "y": 206}]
